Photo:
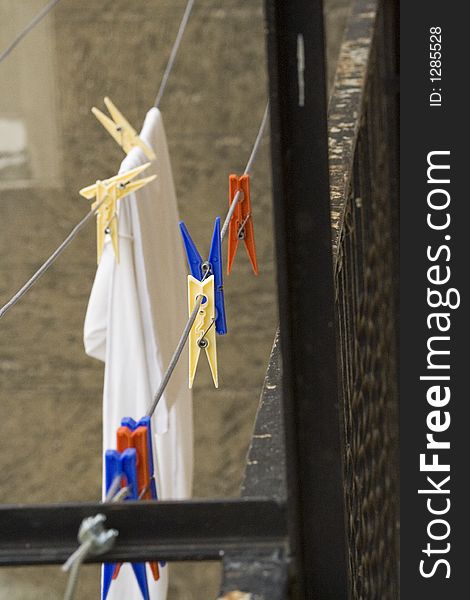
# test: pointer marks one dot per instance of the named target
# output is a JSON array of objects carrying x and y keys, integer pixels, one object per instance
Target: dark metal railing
[{"x": 363, "y": 176}]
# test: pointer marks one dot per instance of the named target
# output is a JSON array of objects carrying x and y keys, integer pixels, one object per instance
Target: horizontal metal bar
[{"x": 192, "y": 530}]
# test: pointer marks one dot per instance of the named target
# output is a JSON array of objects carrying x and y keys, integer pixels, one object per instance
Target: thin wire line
[
  {"x": 257, "y": 144},
  {"x": 203, "y": 336},
  {"x": 175, "y": 357},
  {"x": 248, "y": 169},
  {"x": 121, "y": 495},
  {"x": 174, "y": 52},
  {"x": 76, "y": 561},
  {"x": 94, "y": 540},
  {"x": 77, "y": 555},
  {"x": 242, "y": 226},
  {"x": 171, "y": 61},
  {"x": 113, "y": 489},
  {"x": 144, "y": 491},
  {"x": 52, "y": 258},
  {"x": 37, "y": 19}
]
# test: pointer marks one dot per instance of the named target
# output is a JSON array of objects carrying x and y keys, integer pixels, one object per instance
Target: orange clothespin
[
  {"x": 138, "y": 436},
  {"x": 241, "y": 223}
]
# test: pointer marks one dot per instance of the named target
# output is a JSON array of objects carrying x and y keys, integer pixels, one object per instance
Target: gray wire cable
[
  {"x": 37, "y": 19},
  {"x": 171, "y": 61},
  {"x": 257, "y": 144},
  {"x": 248, "y": 169},
  {"x": 45, "y": 266},
  {"x": 94, "y": 540},
  {"x": 76, "y": 561},
  {"x": 114, "y": 489},
  {"x": 92, "y": 545},
  {"x": 174, "y": 52},
  {"x": 175, "y": 357}
]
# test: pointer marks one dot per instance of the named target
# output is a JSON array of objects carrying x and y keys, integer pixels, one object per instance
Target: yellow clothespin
[
  {"x": 202, "y": 333},
  {"x": 107, "y": 193},
  {"x": 121, "y": 130}
]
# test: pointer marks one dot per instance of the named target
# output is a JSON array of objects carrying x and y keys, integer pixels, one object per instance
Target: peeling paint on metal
[{"x": 345, "y": 110}]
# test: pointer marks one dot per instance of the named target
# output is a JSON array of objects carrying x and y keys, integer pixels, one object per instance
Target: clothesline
[
  {"x": 174, "y": 52},
  {"x": 115, "y": 494},
  {"x": 73, "y": 234},
  {"x": 36, "y": 20},
  {"x": 102, "y": 538},
  {"x": 49, "y": 262}
]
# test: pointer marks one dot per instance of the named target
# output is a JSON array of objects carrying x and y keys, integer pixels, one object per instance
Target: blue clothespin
[
  {"x": 131, "y": 426},
  {"x": 213, "y": 266},
  {"x": 125, "y": 465}
]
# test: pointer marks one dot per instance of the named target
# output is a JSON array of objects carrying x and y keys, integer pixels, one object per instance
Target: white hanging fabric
[{"x": 136, "y": 314}]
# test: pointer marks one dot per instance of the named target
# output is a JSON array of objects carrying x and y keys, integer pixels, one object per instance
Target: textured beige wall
[{"x": 50, "y": 409}]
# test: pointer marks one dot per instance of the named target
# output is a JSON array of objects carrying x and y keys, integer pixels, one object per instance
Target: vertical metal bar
[{"x": 306, "y": 297}]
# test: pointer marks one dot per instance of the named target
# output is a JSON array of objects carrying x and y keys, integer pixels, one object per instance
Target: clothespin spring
[
  {"x": 202, "y": 342},
  {"x": 206, "y": 270},
  {"x": 121, "y": 495},
  {"x": 241, "y": 231},
  {"x": 114, "y": 489},
  {"x": 116, "y": 493},
  {"x": 146, "y": 488},
  {"x": 107, "y": 228}
]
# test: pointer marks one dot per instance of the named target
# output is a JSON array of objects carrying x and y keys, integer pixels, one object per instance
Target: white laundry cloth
[{"x": 136, "y": 314}]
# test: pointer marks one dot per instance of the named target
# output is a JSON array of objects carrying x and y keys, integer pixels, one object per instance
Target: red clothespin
[{"x": 241, "y": 223}]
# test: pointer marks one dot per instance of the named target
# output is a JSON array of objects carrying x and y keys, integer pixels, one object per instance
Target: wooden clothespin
[
  {"x": 241, "y": 223},
  {"x": 202, "y": 334},
  {"x": 121, "y": 130},
  {"x": 106, "y": 194}
]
